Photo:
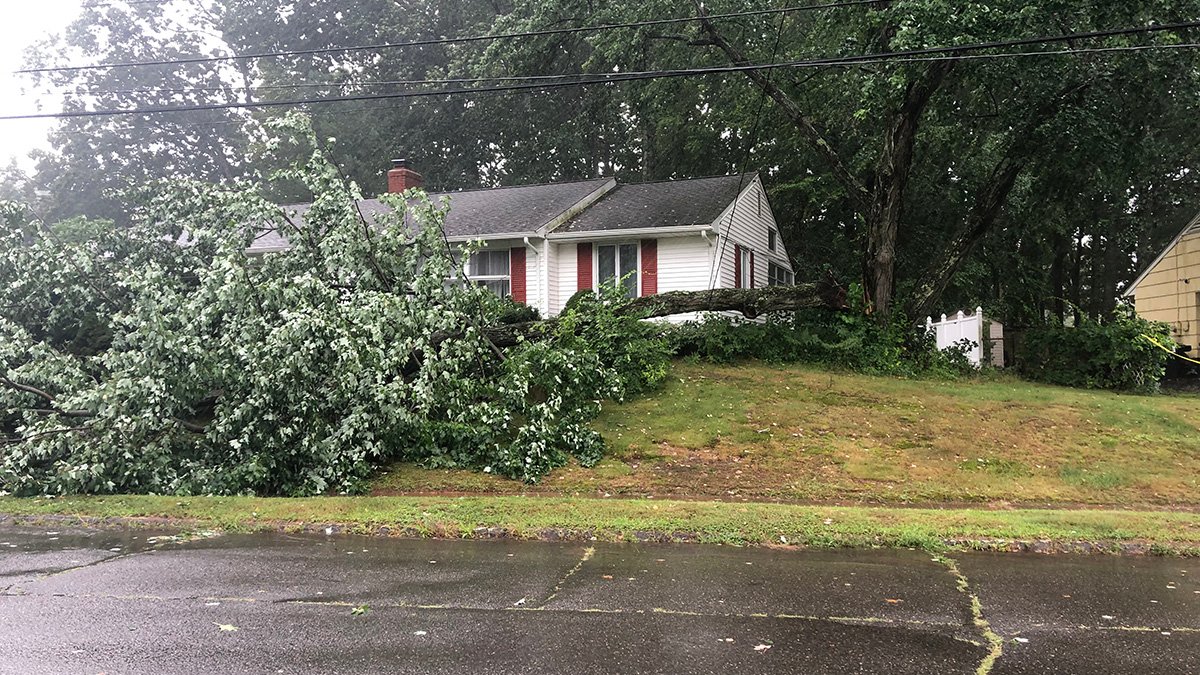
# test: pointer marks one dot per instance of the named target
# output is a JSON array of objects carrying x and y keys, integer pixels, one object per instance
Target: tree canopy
[{"x": 1024, "y": 179}]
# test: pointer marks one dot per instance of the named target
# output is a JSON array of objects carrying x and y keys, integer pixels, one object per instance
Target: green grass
[
  {"x": 802, "y": 434},
  {"x": 633, "y": 519}
]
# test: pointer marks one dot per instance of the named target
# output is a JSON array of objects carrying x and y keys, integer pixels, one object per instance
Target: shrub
[
  {"x": 848, "y": 340},
  {"x": 1117, "y": 353}
]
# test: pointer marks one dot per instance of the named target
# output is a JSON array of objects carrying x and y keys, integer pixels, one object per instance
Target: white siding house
[{"x": 543, "y": 243}]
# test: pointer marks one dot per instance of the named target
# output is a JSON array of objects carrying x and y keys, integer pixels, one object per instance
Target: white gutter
[
  {"x": 489, "y": 237},
  {"x": 704, "y": 233},
  {"x": 632, "y": 232}
]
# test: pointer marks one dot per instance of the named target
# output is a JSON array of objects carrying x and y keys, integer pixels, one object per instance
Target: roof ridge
[
  {"x": 746, "y": 175},
  {"x": 527, "y": 185}
]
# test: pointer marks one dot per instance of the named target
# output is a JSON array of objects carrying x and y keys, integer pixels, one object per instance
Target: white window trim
[
  {"x": 476, "y": 278},
  {"x": 745, "y": 267},
  {"x": 637, "y": 268},
  {"x": 772, "y": 231},
  {"x": 785, "y": 268}
]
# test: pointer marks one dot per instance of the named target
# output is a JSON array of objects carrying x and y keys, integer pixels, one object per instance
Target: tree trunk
[
  {"x": 1057, "y": 278},
  {"x": 882, "y": 206},
  {"x": 891, "y": 179},
  {"x": 987, "y": 209},
  {"x": 751, "y": 303}
]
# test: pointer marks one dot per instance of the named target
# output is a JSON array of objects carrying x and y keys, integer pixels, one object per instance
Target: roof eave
[
  {"x": 459, "y": 238},
  {"x": 1166, "y": 249}
]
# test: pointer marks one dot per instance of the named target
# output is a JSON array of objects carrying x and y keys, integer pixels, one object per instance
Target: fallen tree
[
  {"x": 750, "y": 302},
  {"x": 129, "y": 363}
]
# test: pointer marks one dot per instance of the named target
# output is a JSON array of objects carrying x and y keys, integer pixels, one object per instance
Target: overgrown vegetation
[
  {"x": 131, "y": 363},
  {"x": 1122, "y": 352}
]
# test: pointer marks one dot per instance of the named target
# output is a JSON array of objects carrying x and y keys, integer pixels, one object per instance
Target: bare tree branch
[
  {"x": 27, "y": 389},
  {"x": 857, "y": 192}
]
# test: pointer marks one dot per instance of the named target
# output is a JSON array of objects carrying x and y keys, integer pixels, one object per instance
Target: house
[
  {"x": 1169, "y": 288},
  {"x": 543, "y": 243}
]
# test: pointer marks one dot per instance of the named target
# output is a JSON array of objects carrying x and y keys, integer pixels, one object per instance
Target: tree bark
[
  {"x": 1058, "y": 284},
  {"x": 891, "y": 179},
  {"x": 752, "y": 303}
]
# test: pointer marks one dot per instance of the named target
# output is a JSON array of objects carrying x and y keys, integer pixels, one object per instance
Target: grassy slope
[
  {"x": 762, "y": 432},
  {"x": 630, "y": 519}
]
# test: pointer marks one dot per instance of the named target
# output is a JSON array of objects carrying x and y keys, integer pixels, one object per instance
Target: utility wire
[
  {"x": 340, "y": 110},
  {"x": 522, "y": 78},
  {"x": 447, "y": 41},
  {"x": 952, "y": 51}
]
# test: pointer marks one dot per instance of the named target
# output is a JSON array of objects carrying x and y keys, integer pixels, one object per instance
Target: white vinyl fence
[{"x": 987, "y": 336}]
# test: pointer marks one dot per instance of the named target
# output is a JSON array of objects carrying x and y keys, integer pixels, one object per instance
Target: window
[
  {"x": 771, "y": 237},
  {"x": 778, "y": 275},
  {"x": 490, "y": 268},
  {"x": 618, "y": 263},
  {"x": 747, "y": 268}
]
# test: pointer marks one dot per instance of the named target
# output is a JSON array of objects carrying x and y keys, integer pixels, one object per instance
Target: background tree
[{"x": 1006, "y": 181}]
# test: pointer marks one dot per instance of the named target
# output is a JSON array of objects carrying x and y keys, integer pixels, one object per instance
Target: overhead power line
[
  {"x": 951, "y": 51},
  {"x": 539, "y": 78},
  {"x": 447, "y": 41}
]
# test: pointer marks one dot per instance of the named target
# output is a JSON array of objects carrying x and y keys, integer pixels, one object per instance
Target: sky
[{"x": 23, "y": 24}]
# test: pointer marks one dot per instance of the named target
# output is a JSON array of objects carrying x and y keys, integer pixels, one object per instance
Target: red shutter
[
  {"x": 649, "y": 266},
  {"x": 737, "y": 265},
  {"x": 516, "y": 272},
  {"x": 583, "y": 259},
  {"x": 751, "y": 269}
]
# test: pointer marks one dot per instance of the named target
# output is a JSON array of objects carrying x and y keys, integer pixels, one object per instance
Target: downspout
[{"x": 543, "y": 276}]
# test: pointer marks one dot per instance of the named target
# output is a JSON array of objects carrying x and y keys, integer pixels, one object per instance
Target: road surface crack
[
  {"x": 992, "y": 639},
  {"x": 587, "y": 555}
]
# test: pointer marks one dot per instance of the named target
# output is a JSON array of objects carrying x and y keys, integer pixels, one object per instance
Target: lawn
[{"x": 759, "y": 432}]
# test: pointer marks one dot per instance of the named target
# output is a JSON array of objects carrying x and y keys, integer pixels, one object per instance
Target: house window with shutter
[
  {"x": 745, "y": 268},
  {"x": 618, "y": 264},
  {"x": 491, "y": 269},
  {"x": 772, "y": 237},
  {"x": 778, "y": 275}
]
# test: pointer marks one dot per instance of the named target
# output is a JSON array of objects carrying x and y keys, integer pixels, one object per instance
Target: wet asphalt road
[{"x": 127, "y": 602}]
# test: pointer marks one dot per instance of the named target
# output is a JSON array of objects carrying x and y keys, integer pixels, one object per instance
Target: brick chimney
[{"x": 401, "y": 177}]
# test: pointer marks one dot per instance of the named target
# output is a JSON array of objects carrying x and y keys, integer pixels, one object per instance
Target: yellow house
[{"x": 1169, "y": 289}]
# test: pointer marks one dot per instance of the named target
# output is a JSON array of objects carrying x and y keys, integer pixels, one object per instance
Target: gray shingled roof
[
  {"x": 698, "y": 201},
  {"x": 512, "y": 209},
  {"x": 521, "y": 209},
  {"x": 524, "y": 209}
]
